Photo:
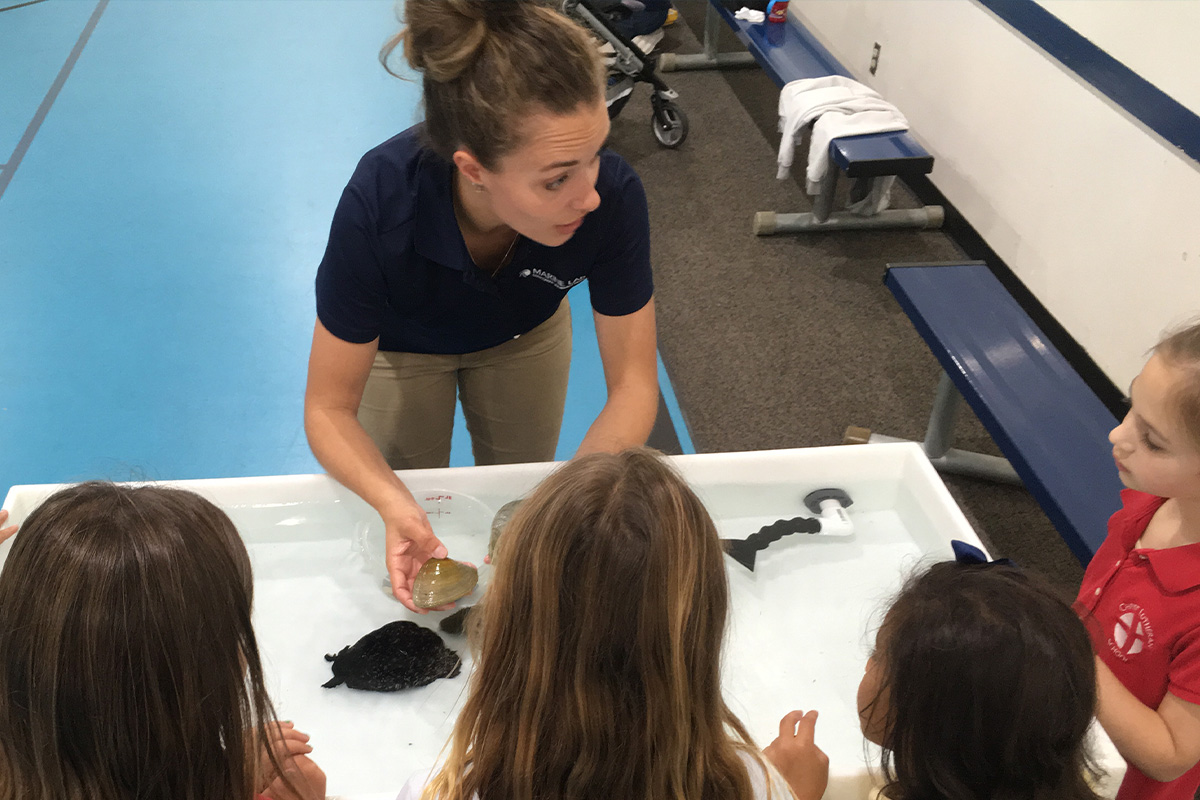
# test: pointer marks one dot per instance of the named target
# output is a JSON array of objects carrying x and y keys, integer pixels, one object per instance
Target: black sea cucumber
[{"x": 397, "y": 656}]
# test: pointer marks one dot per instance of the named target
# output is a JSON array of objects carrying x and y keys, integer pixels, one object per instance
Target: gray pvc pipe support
[
  {"x": 767, "y": 223},
  {"x": 823, "y": 202},
  {"x": 673, "y": 62},
  {"x": 940, "y": 433},
  {"x": 710, "y": 58},
  {"x": 965, "y": 462}
]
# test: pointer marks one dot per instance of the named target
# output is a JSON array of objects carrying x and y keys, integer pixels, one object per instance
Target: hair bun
[
  {"x": 487, "y": 63},
  {"x": 442, "y": 38}
]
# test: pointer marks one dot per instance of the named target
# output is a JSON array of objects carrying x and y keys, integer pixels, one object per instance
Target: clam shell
[
  {"x": 499, "y": 523},
  {"x": 443, "y": 580}
]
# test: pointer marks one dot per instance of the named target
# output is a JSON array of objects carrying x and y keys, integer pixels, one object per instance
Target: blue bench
[
  {"x": 1051, "y": 427},
  {"x": 788, "y": 52}
]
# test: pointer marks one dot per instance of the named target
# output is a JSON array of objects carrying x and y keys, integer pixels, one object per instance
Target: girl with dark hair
[
  {"x": 1141, "y": 593},
  {"x": 598, "y": 653},
  {"x": 128, "y": 664},
  {"x": 981, "y": 687},
  {"x": 450, "y": 256}
]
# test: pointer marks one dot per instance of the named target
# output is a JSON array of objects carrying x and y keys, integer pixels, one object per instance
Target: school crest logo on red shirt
[{"x": 1132, "y": 634}]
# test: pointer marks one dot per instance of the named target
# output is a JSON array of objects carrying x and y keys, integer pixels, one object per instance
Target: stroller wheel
[{"x": 670, "y": 124}]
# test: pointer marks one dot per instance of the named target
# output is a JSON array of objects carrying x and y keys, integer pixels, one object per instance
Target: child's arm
[{"x": 1164, "y": 743}]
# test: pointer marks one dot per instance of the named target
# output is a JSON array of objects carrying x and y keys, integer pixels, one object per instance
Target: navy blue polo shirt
[{"x": 396, "y": 266}]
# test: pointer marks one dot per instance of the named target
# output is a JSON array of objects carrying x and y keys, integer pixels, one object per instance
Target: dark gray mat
[{"x": 784, "y": 341}]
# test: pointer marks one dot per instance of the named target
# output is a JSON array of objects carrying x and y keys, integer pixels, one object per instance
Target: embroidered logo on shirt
[
  {"x": 1132, "y": 634},
  {"x": 553, "y": 280}
]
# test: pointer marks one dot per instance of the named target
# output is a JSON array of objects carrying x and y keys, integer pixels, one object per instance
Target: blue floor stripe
[
  {"x": 163, "y": 231},
  {"x": 677, "y": 419}
]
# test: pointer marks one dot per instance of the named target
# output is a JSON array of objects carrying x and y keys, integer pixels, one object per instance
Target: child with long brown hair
[
  {"x": 598, "y": 652},
  {"x": 128, "y": 663}
]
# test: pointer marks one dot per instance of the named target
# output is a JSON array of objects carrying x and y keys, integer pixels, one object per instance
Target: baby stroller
[{"x": 631, "y": 65}]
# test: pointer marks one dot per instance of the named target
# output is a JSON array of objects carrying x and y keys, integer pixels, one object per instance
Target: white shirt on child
[{"x": 758, "y": 782}]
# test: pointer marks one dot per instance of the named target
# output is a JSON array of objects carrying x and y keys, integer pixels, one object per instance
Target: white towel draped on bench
[{"x": 840, "y": 107}]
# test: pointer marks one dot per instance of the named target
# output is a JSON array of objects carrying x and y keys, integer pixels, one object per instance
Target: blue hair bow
[{"x": 970, "y": 555}]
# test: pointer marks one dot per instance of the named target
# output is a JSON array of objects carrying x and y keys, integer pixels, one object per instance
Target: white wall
[
  {"x": 1154, "y": 38},
  {"x": 1095, "y": 213}
]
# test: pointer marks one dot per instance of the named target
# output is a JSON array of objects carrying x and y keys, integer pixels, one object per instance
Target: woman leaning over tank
[{"x": 449, "y": 258}]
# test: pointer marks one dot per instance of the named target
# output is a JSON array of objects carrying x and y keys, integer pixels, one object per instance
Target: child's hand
[
  {"x": 285, "y": 742},
  {"x": 6, "y": 532},
  {"x": 291, "y": 749},
  {"x": 305, "y": 776},
  {"x": 795, "y": 754}
]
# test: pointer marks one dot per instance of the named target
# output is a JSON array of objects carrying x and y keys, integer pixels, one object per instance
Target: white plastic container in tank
[{"x": 801, "y": 626}]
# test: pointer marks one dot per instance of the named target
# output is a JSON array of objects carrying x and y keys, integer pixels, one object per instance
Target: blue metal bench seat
[
  {"x": 788, "y": 52},
  {"x": 1048, "y": 423}
]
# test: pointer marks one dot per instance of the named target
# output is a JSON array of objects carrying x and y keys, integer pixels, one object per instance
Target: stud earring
[{"x": 478, "y": 186}]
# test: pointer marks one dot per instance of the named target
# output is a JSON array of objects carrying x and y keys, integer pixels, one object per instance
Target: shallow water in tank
[
  {"x": 797, "y": 638},
  {"x": 800, "y": 628}
]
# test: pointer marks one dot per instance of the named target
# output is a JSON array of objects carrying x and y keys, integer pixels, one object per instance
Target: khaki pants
[{"x": 512, "y": 394}]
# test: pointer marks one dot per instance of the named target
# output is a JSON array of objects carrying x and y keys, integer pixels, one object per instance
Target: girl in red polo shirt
[
  {"x": 128, "y": 664},
  {"x": 1141, "y": 593}
]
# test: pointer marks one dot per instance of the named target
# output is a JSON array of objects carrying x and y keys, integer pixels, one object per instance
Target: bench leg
[
  {"x": 824, "y": 218},
  {"x": 823, "y": 203},
  {"x": 939, "y": 435},
  {"x": 710, "y": 58}
]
